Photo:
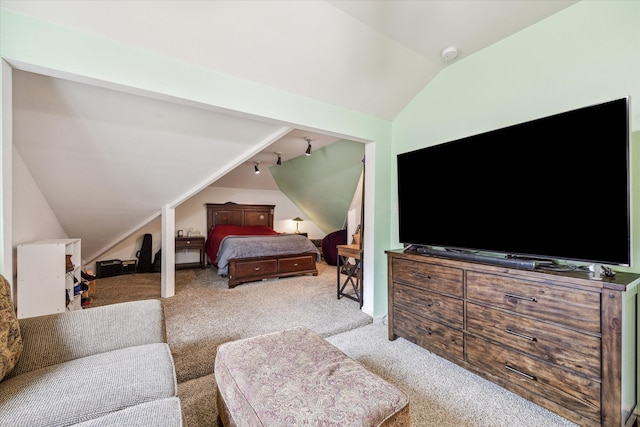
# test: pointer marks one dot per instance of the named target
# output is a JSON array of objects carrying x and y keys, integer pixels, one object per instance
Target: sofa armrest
[{"x": 56, "y": 338}]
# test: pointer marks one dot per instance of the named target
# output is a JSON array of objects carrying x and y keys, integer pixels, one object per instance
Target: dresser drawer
[
  {"x": 428, "y": 304},
  {"x": 547, "y": 302},
  {"x": 571, "y": 391},
  {"x": 560, "y": 346},
  {"x": 429, "y": 276},
  {"x": 300, "y": 263},
  {"x": 428, "y": 334},
  {"x": 255, "y": 268}
]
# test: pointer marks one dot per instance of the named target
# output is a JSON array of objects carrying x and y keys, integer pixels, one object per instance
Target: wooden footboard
[{"x": 242, "y": 270}]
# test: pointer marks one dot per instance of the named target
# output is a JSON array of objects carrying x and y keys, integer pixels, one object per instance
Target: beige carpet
[{"x": 205, "y": 313}]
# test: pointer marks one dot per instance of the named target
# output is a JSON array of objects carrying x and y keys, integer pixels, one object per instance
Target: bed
[{"x": 243, "y": 246}]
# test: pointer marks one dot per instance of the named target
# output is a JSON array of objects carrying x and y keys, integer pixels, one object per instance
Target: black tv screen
[{"x": 552, "y": 188}]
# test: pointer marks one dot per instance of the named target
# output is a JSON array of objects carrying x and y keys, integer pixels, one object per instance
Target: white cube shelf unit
[{"x": 45, "y": 282}]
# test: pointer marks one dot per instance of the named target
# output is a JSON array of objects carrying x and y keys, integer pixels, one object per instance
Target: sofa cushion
[
  {"x": 89, "y": 387},
  {"x": 157, "y": 413},
  {"x": 10, "y": 339},
  {"x": 56, "y": 338}
]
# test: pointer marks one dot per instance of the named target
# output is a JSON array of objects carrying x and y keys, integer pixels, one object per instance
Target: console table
[
  {"x": 194, "y": 244},
  {"x": 559, "y": 339},
  {"x": 353, "y": 271}
]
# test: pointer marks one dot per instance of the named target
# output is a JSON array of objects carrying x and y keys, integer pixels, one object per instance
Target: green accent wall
[
  {"x": 586, "y": 54},
  {"x": 635, "y": 209},
  {"x": 323, "y": 185}
]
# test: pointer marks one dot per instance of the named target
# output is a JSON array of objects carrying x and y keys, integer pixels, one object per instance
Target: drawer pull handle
[
  {"x": 424, "y": 276},
  {"x": 527, "y": 376},
  {"x": 257, "y": 268},
  {"x": 295, "y": 265},
  {"x": 424, "y": 331},
  {"x": 510, "y": 295},
  {"x": 518, "y": 334}
]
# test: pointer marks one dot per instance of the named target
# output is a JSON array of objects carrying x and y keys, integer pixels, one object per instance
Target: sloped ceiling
[
  {"x": 109, "y": 158},
  {"x": 371, "y": 56},
  {"x": 323, "y": 185}
]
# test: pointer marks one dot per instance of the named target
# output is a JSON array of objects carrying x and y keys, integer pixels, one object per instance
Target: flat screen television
[{"x": 554, "y": 188}]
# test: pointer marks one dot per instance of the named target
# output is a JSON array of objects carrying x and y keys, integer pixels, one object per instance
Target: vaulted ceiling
[{"x": 137, "y": 152}]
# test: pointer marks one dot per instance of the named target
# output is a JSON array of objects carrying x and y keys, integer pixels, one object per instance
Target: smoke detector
[{"x": 449, "y": 53}]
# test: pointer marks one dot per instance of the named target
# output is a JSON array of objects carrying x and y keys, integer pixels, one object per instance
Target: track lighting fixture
[
  {"x": 255, "y": 168},
  {"x": 279, "y": 162},
  {"x": 308, "y": 152}
]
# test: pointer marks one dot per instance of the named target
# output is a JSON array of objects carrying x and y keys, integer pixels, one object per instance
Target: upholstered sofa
[{"x": 103, "y": 366}]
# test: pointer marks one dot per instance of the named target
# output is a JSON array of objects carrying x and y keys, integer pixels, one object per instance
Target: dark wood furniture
[
  {"x": 192, "y": 244},
  {"x": 352, "y": 272},
  {"x": 237, "y": 214},
  {"x": 561, "y": 340},
  {"x": 242, "y": 270}
]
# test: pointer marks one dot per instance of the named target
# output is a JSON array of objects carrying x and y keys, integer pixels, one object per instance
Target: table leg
[{"x": 338, "y": 276}]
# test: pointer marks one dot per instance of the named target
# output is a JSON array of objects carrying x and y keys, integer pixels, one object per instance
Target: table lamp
[{"x": 297, "y": 220}]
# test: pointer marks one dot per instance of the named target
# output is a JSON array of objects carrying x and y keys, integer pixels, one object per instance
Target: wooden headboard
[{"x": 235, "y": 214}]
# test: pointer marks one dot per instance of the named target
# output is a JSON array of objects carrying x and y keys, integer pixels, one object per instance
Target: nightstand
[{"x": 194, "y": 244}]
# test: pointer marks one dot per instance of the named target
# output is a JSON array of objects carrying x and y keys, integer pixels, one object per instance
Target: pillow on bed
[{"x": 329, "y": 243}]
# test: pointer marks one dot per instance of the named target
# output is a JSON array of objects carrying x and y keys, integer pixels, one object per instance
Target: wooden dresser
[{"x": 561, "y": 340}]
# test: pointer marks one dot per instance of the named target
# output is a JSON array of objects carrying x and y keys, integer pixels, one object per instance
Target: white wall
[
  {"x": 192, "y": 213},
  {"x": 33, "y": 218}
]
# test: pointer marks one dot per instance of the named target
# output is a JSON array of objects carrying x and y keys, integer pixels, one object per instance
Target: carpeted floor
[
  {"x": 205, "y": 313},
  {"x": 441, "y": 393}
]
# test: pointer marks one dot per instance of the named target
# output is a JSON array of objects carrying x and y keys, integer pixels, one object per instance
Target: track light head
[
  {"x": 279, "y": 162},
  {"x": 308, "y": 152},
  {"x": 255, "y": 168}
]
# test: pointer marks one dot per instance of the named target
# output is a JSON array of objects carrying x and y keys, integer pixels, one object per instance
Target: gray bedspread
[{"x": 255, "y": 246}]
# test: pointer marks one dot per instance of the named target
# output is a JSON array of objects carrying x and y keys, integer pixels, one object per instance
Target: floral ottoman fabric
[{"x": 296, "y": 378}]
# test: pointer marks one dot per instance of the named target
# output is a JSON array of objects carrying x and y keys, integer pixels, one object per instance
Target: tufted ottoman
[{"x": 296, "y": 378}]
